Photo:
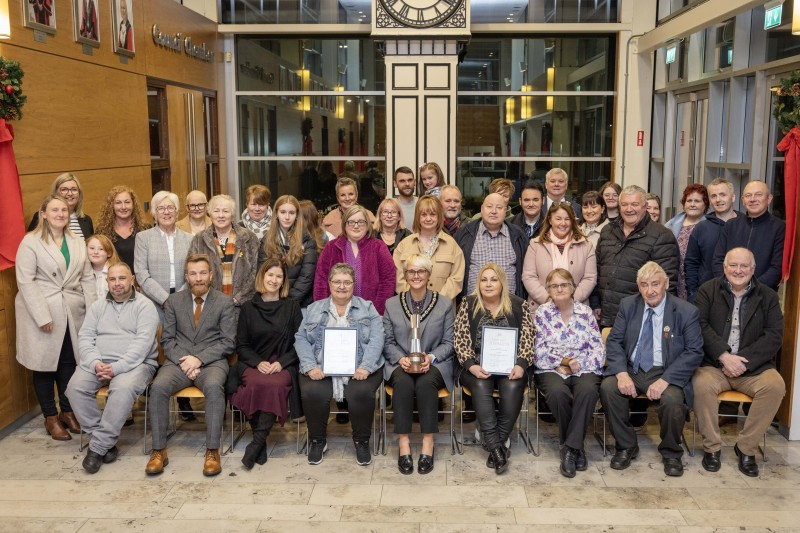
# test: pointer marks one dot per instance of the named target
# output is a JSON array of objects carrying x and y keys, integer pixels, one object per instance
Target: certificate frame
[
  {"x": 332, "y": 338},
  {"x": 490, "y": 357}
]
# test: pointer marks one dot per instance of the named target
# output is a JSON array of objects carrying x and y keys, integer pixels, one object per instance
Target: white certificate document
[
  {"x": 498, "y": 350},
  {"x": 339, "y": 351}
]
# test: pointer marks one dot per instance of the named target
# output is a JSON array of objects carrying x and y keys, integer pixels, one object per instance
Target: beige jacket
[
  {"x": 539, "y": 263},
  {"x": 49, "y": 291},
  {"x": 447, "y": 277}
]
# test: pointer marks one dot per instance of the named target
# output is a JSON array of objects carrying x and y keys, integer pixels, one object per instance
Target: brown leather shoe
[
  {"x": 54, "y": 428},
  {"x": 68, "y": 419},
  {"x": 212, "y": 465},
  {"x": 158, "y": 460}
]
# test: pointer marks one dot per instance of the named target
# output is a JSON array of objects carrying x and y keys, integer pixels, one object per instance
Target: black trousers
[
  {"x": 425, "y": 387},
  {"x": 495, "y": 426},
  {"x": 572, "y": 402},
  {"x": 360, "y": 396},
  {"x": 672, "y": 411},
  {"x": 43, "y": 381}
]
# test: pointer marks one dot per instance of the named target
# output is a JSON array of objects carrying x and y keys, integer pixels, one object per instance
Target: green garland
[
  {"x": 787, "y": 102},
  {"x": 11, "y": 97}
]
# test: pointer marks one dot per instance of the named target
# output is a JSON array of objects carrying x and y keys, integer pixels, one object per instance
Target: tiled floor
[{"x": 44, "y": 488}]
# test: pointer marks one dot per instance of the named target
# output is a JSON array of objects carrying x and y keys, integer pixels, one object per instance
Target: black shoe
[
  {"x": 490, "y": 459},
  {"x": 92, "y": 462},
  {"x": 405, "y": 464},
  {"x": 581, "y": 463},
  {"x": 363, "y": 455},
  {"x": 425, "y": 464},
  {"x": 673, "y": 466},
  {"x": 185, "y": 410},
  {"x": 262, "y": 457},
  {"x": 251, "y": 453},
  {"x": 568, "y": 456},
  {"x": 711, "y": 461},
  {"x": 622, "y": 458},
  {"x": 499, "y": 460},
  {"x": 111, "y": 455},
  {"x": 315, "y": 451},
  {"x": 747, "y": 463}
]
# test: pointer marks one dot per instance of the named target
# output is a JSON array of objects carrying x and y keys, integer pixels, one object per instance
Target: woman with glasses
[
  {"x": 610, "y": 192},
  {"x": 120, "y": 219},
  {"x": 197, "y": 219},
  {"x": 68, "y": 187},
  {"x": 369, "y": 257},
  {"x": 390, "y": 225},
  {"x": 436, "y": 342},
  {"x": 568, "y": 365},
  {"x": 340, "y": 309},
  {"x": 491, "y": 304},
  {"x": 695, "y": 203},
  {"x": 430, "y": 239},
  {"x": 233, "y": 251},
  {"x": 161, "y": 252},
  {"x": 560, "y": 244}
]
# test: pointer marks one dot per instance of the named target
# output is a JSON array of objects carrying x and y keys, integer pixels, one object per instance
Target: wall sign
[{"x": 180, "y": 43}]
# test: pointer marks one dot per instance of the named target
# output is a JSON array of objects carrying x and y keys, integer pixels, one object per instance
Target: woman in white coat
[{"x": 56, "y": 287}]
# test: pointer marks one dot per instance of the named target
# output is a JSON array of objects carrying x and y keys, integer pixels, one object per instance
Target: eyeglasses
[
  {"x": 559, "y": 286},
  {"x": 416, "y": 273},
  {"x": 340, "y": 283},
  {"x": 356, "y": 223},
  {"x": 390, "y": 213},
  {"x": 67, "y": 190},
  {"x": 195, "y": 207},
  {"x": 166, "y": 209}
]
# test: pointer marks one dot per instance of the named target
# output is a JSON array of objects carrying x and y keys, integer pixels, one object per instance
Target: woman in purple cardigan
[{"x": 369, "y": 257}]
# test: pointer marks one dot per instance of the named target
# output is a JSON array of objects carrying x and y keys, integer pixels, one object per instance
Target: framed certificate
[
  {"x": 339, "y": 351},
  {"x": 499, "y": 349}
]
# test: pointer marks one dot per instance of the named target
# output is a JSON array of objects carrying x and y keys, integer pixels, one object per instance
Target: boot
[
  {"x": 267, "y": 420},
  {"x": 256, "y": 451},
  {"x": 54, "y": 428}
]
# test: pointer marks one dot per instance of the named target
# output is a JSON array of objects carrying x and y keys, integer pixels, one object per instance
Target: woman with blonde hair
[
  {"x": 68, "y": 186},
  {"x": 287, "y": 240},
  {"x": 120, "y": 219},
  {"x": 430, "y": 239},
  {"x": 491, "y": 304},
  {"x": 101, "y": 254},
  {"x": 56, "y": 287},
  {"x": 390, "y": 224},
  {"x": 312, "y": 224},
  {"x": 431, "y": 180}
]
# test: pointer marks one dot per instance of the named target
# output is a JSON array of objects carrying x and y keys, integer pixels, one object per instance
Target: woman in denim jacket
[{"x": 340, "y": 309}]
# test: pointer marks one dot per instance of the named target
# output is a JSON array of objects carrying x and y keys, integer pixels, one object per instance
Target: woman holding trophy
[{"x": 418, "y": 348}]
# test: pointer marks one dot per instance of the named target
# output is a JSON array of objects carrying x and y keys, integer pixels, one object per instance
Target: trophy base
[{"x": 417, "y": 360}]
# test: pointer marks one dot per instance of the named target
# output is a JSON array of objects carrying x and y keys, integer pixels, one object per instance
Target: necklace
[{"x": 431, "y": 247}]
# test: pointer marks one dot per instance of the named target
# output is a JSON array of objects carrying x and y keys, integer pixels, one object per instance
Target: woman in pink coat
[{"x": 560, "y": 244}]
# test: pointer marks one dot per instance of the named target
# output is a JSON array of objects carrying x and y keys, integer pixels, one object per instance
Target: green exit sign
[{"x": 772, "y": 16}]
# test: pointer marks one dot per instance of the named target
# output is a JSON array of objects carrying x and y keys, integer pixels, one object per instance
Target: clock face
[{"x": 420, "y": 13}]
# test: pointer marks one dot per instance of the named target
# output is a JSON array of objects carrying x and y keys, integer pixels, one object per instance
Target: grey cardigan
[{"x": 151, "y": 262}]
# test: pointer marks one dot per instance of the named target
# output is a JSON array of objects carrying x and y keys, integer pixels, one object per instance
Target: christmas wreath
[
  {"x": 787, "y": 103},
  {"x": 11, "y": 97}
]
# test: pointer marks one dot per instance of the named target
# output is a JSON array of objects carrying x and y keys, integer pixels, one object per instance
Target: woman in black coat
[
  {"x": 263, "y": 383},
  {"x": 287, "y": 240}
]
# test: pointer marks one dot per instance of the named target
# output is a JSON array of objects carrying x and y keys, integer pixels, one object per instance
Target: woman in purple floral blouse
[{"x": 568, "y": 363}]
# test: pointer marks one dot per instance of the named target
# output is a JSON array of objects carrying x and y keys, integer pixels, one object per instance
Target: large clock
[{"x": 419, "y": 13}]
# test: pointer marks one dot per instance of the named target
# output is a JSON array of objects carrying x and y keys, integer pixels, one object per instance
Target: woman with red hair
[{"x": 695, "y": 203}]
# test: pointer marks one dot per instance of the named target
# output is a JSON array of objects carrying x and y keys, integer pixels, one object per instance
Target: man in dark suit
[
  {"x": 199, "y": 333},
  {"x": 653, "y": 349}
]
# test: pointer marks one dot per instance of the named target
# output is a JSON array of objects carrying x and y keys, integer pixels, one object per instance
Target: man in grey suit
[
  {"x": 653, "y": 349},
  {"x": 199, "y": 333}
]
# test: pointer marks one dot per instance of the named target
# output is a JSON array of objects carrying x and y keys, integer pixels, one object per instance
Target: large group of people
[{"x": 263, "y": 312}]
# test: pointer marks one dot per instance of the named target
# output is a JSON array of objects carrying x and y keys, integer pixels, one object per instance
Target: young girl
[
  {"x": 102, "y": 255},
  {"x": 431, "y": 180}
]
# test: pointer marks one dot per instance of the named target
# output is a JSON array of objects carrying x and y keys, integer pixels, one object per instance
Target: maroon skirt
[{"x": 268, "y": 393}]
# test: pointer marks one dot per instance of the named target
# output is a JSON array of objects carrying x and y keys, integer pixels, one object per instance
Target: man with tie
[
  {"x": 654, "y": 348},
  {"x": 199, "y": 333}
]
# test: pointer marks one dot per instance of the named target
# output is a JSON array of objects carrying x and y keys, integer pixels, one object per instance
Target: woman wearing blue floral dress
[{"x": 568, "y": 365}]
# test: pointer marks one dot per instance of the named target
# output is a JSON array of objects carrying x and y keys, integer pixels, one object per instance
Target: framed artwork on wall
[
  {"x": 87, "y": 17},
  {"x": 40, "y": 15},
  {"x": 122, "y": 31}
]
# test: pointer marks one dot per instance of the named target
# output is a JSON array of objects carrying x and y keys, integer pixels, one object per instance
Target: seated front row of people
[{"x": 654, "y": 349}]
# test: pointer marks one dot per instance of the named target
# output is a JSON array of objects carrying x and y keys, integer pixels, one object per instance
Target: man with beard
[
  {"x": 199, "y": 333},
  {"x": 453, "y": 217},
  {"x": 405, "y": 182}
]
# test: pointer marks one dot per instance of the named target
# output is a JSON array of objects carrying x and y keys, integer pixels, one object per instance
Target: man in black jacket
[
  {"x": 530, "y": 219},
  {"x": 625, "y": 245},
  {"x": 742, "y": 327},
  {"x": 703, "y": 242},
  {"x": 759, "y": 232}
]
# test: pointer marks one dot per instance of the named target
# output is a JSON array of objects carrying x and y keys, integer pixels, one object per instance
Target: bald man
[
  {"x": 759, "y": 232},
  {"x": 492, "y": 239}
]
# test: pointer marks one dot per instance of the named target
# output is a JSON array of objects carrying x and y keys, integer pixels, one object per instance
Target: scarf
[
  {"x": 226, "y": 253},
  {"x": 560, "y": 259},
  {"x": 259, "y": 228},
  {"x": 451, "y": 226}
]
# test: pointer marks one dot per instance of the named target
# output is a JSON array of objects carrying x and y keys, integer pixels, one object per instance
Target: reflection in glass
[{"x": 295, "y": 12}]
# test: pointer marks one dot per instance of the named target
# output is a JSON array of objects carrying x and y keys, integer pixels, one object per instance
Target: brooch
[{"x": 666, "y": 332}]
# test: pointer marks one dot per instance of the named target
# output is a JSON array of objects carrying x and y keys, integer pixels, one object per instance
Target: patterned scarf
[
  {"x": 226, "y": 253},
  {"x": 259, "y": 228},
  {"x": 451, "y": 226}
]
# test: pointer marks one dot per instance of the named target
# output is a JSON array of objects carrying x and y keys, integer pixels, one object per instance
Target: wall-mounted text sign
[{"x": 181, "y": 43}]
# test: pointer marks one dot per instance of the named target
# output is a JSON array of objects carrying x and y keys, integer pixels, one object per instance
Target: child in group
[
  {"x": 102, "y": 255},
  {"x": 431, "y": 180}
]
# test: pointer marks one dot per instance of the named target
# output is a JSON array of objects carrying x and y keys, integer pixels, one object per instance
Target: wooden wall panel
[{"x": 17, "y": 397}]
